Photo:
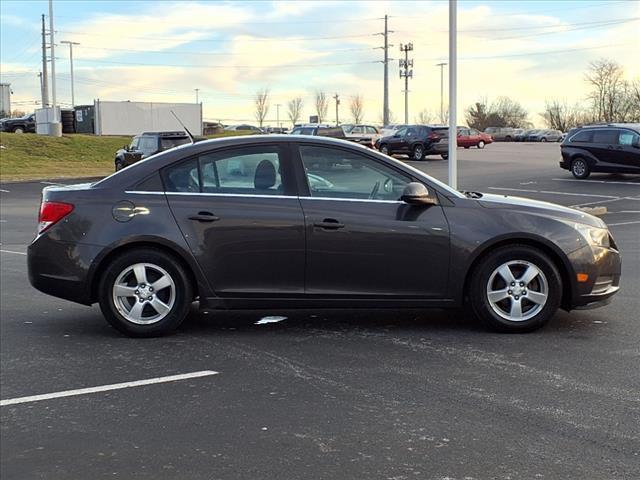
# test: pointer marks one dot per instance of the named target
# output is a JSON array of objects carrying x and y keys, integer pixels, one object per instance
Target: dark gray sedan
[{"x": 267, "y": 222}]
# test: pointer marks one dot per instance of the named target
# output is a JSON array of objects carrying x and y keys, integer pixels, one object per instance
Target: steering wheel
[{"x": 374, "y": 192}]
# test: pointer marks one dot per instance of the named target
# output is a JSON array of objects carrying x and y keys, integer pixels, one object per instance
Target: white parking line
[
  {"x": 9, "y": 251},
  {"x": 553, "y": 193},
  {"x": 106, "y": 388},
  {"x": 51, "y": 183},
  {"x": 4, "y": 191},
  {"x": 623, "y": 223},
  {"x": 636, "y": 184}
]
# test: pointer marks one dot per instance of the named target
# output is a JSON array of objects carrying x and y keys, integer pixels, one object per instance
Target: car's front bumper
[{"x": 603, "y": 266}]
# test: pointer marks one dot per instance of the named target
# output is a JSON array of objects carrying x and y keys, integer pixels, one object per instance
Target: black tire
[
  {"x": 484, "y": 276},
  {"x": 481, "y": 144},
  {"x": 18, "y": 130},
  {"x": 580, "y": 168},
  {"x": 385, "y": 149},
  {"x": 119, "y": 165},
  {"x": 508, "y": 139},
  {"x": 466, "y": 148},
  {"x": 444, "y": 156},
  {"x": 418, "y": 152},
  {"x": 182, "y": 291},
  {"x": 543, "y": 139}
]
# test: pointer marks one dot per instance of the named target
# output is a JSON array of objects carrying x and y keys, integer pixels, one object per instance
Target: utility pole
[
  {"x": 336, "y": 97},
  {"x": 441, "y": 65},
  {"x": 45, "y": 73},
  {"x": 406, "y": 72},
  {"x": 385, "y": 106},
  {"x": 53, "y": 60},
  {"x": 278, "y": 115},
  {"x": 453, "y": 124},
  {"x": 73, "y": 94},
  {"x": 197, "y": 90}
]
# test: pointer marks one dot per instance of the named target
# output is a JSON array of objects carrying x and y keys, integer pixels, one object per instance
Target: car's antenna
[{"x": 184, "y": 126}]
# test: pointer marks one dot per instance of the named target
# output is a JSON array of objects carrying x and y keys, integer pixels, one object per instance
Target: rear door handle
[
  {"x": 329, "y": 224},
  {"x": 204, "y": 217}
]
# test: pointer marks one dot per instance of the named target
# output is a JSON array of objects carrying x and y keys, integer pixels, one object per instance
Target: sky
[{"x": 160, "y": 51}]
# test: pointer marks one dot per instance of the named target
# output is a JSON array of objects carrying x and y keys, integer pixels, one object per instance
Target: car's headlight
[{"x": 596, "y": 237}]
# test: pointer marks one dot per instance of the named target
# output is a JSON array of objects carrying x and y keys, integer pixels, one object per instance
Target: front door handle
[
  {"x": 204, "y": 217},
  {"x": 329, "y": 224}
]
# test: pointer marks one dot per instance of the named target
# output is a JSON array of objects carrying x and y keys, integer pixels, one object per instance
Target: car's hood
[{"x": 489, "y": 200}]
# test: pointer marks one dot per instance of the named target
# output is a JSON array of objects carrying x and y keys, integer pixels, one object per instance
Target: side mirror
[
  {"x": 416, "y": 193},
  {"x": 396, "y": 135}
]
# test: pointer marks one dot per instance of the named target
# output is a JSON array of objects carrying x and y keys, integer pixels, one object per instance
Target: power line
[
  {"x": 220, "y": 54},
  {"x": 296, "y": 65}
]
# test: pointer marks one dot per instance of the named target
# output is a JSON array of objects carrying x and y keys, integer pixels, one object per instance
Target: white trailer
[{"x": 133, "y": 118}]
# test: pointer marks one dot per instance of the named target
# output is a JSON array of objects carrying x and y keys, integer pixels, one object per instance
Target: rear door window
[
  {"x": 605, "y": 136},
  {"x": 585, "y": 136}
]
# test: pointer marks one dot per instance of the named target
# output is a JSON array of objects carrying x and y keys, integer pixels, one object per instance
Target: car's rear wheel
[
  {"x": 385, "y": 149},
  {"x": 444, "y": 156},
  {"x": 145, "y": 293},
  {"x": 481, "y": 144},
  {"x": 516, "y": 288},
  {"x": 508, "y": 139},
  {"x": 119, "y": 165},
  {"x": 580, "y": 168},
  {"x": 18, "y": 130},
  {"x": 418, "y": 152}
]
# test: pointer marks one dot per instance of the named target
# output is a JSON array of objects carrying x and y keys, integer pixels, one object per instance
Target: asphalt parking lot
[{"x": 331, "y": 394}]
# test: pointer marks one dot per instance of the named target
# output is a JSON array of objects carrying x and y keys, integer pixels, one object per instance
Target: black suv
[
  {"x": 19, "y": 125},
  {"x": 147, "y": 144},
  {"x": 417, "y": 141},
  {"x": 609, "y": 148}
]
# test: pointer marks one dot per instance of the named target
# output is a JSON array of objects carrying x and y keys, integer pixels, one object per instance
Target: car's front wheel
[
  {"x": 418, "y": 152},
  {"x": 444, "y": 156},
  {"x": 543, "y": 139},
  {"x": 145, "y": 293},
  {"x": 385, "y": 149},
  {"x": 580, "y": 168},
  {"x": 515, "y": 288},
  {"x": 481, "y": 144},
  {"x": 119, "y": 165},
  {"x": 18, "y": 130}
]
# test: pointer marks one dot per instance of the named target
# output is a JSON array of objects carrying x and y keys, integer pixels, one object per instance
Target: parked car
[
  {"x": 26, "y": 124},
  {"x": 545, "y": 136},
  {"x": 418, "y": 141},
  {"x": 470, "y": 137},
  {"x": 248, "y": 222},
  {"x": 363, "y": 134},
  {"x": 276, "y": 130},
  {"x": 246, "y": 128},
  {"x": 387, "y": 130},
  {"x": 611, "y": 148},
  {"x": 322, "y": 131},
  {"x": 502, "y": 134},
  {"x": 523, "y": 136},
  {"x": 147, "y": 144}
]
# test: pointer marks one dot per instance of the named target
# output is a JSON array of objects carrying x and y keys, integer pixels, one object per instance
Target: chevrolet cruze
[{"x": 279, "y": 222}]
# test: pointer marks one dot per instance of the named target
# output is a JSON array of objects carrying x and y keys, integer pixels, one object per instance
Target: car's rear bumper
[{"x": 61, "y": 269}]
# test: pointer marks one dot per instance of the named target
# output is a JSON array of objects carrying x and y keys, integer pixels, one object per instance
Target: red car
[{"x": 470, "y": 137}]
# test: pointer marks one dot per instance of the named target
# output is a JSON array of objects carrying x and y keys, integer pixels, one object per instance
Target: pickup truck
[{"x": 19, "y": 125}]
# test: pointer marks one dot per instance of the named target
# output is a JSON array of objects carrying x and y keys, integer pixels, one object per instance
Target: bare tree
[
  {"x": 503, "y": 112},
  {"x": 605, "y": 77},
  {"x": 262, "y": 105},
  {"x": 357, "y": 108},
  {"x": 558, "y": 115},
  {"x": 392, "y": 119},
  {"x": 294, "y": 109},
  {"x": 424, "y": 117},
  {"x": 322, "y": 105}
]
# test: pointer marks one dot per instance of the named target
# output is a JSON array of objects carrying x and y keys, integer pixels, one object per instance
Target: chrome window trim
[{"x": 252, "y": 195}]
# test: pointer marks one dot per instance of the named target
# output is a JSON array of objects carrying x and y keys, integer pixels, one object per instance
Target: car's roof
[
  {"x": 633, "y": 126},
  {"x": 165, "y": 134}
]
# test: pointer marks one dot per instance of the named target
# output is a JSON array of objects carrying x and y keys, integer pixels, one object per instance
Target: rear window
[
  {"x": 443, "y": 132},
  {"x": 584, "y": 136},
  {"x": 166, "y": 143}
]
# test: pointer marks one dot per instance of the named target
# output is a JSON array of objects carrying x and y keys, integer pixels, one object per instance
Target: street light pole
[
  {"x": 453, "y": 124},
  {"x": 71, "y": 44},
  {"x": 197, "y": 90},
  {"x": 441, "y": 65},
  {"x": 278, "y": 114}
]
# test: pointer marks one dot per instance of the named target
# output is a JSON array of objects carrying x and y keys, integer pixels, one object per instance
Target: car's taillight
[
  {"x": 434, "y": 136},
  {"x": 51, "y": 213}
]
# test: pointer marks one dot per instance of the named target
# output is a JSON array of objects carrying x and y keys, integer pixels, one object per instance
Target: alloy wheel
[
  {"x": 517, "y": 290},
  {"x": 144, "y": 293}
]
